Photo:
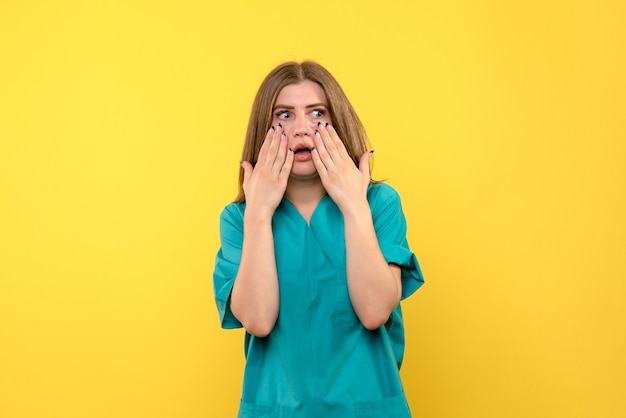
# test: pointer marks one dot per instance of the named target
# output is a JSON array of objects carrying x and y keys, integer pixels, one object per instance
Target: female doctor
[{"x": 314, "y": 259}]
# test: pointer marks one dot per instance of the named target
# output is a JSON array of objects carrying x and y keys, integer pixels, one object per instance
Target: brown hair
[{"x": 343, "y": 117}]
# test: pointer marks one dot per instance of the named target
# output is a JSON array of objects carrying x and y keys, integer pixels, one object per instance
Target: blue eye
[
  {"x": 318, "y": 113},
  {"x": 282, "y": 114}
]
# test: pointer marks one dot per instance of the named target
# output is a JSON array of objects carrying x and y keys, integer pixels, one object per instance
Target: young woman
[{"x": 314, "y": 259}]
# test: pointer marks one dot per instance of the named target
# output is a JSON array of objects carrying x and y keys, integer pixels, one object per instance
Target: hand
[
  {"x": 344, "y": 182},
  {"x": 264, "y": 184}
]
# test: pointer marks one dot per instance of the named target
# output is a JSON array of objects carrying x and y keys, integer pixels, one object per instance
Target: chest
[{"x": 303, "y": 246}]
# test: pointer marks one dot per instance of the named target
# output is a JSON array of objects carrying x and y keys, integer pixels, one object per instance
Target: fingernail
[
  {"x": 290, "y": 150},
  {"x": 280, "y": 126},
  {"x": 272, "y": 128},
  {"x": 327, "y": 124},
  {"x": 372, "y": 151},
  {"x": 313, "y": 149},
  {"x": 317, "y": 132},
  {"x": 319, "y": 123}
]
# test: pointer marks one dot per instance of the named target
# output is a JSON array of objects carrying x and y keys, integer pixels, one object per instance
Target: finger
[
  {"x": 281, "y": 153},
  {"x": 335, "y": 146},
  {"x": 322, "y": 151},
  {"x": 318, "y": 163},
  {"x": 329, "y": 146},
  {"x": 278, "y": 143},
  {"x": 247, "y": 171},
  {"x": 268, "y": 151},
  {"x": 364, "y": 163},
  {"x": 263, "y": 151},
  {"x": 286, "y": 168}
]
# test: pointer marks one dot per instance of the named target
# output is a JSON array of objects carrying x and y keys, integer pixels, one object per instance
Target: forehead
[{"x": 304, "y": 92}]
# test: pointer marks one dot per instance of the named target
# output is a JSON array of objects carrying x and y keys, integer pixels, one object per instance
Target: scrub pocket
[
  {"x": 250, "y": 410},
  {"x": 395, "y": 407}
]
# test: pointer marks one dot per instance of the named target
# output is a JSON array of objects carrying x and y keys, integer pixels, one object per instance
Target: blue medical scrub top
[{"x": 319, "y": 360}]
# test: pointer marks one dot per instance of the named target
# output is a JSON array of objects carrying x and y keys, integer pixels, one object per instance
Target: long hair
[{"x": 343, "y": 117}]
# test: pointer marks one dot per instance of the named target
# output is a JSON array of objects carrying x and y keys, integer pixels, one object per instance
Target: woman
[{"x": 314, "y": 260}]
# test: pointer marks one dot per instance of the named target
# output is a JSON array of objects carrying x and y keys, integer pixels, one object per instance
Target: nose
[{"x": 302, "y": 126}]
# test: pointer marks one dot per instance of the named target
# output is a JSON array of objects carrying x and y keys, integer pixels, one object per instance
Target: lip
[
  {"x": 301, "y": 145},
  {"x": 305, "y": 155}
]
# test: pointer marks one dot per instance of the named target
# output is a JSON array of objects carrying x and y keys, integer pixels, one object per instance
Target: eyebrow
[{"x": 279, "y": 106}]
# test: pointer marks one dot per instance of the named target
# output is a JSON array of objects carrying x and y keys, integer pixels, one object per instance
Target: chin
[{"x": 303, "y": 175}]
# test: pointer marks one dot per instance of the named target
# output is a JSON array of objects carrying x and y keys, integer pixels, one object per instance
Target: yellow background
[{"x": 502, "y": 124}]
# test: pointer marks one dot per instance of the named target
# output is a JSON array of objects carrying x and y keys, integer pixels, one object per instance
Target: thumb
[
  {"x": 364, "y": 163},
  {"x": 247, "y": 170}
]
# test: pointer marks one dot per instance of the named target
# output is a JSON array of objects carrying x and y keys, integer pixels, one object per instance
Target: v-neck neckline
[{"x": 293, "y": 208}]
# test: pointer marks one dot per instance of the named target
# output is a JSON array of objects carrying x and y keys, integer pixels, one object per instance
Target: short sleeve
[
  {"x": 390, "y": 225},
  {"x": 227, "y": 262}
]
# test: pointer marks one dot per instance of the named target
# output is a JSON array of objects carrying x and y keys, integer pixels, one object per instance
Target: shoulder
[
  {"x": 233, "y": 213},
  {"x": 234, "y": 209},
  {"x": 381, "y": 194}
]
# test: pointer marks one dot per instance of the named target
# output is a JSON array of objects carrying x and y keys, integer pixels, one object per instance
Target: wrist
[
  {"x": 257, "y": 216},
  {"x": 357, "y": 211}
]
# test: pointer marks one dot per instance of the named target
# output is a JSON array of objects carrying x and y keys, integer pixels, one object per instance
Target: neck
[{"x": 304, "y": 192}]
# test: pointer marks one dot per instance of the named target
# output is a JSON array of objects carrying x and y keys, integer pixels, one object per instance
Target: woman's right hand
[
  {"x": 255, "y": 294},
  {"x": 264, "y": 184}
]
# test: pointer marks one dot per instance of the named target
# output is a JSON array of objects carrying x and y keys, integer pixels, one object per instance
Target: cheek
[{"x": 276, "y": 120}]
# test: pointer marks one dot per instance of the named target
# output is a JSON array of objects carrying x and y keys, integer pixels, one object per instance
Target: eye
[
  {"x": 318, "y": 113},
  {"x": 282, "y": 114}
]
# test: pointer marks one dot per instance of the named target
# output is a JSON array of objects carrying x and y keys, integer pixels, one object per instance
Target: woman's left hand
[{"x": 344, "y": 182}]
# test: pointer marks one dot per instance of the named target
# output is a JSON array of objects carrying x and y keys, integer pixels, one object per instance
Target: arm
[
  {"x": 255, "y": 294},
  {"x": 374, "y": 286}
]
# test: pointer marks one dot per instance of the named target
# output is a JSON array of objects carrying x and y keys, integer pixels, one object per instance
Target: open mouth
[{"x": 302, "y": 152}]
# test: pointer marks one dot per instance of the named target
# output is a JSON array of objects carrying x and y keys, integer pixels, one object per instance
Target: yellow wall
[{"x": 502, "y": 124}]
